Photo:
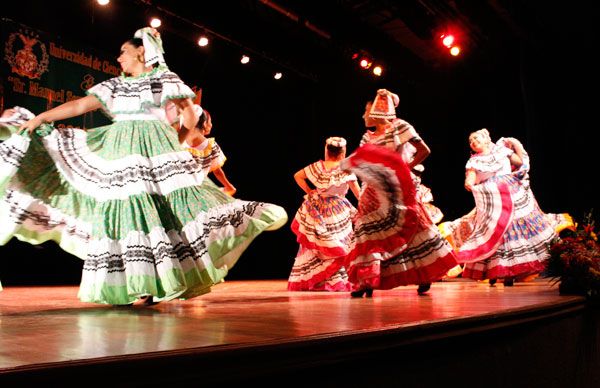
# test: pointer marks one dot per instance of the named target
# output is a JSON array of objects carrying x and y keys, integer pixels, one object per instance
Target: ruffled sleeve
[
  {"x": 404, "y": 132},
  {"x": 104, "y": 92},
  {"x": 501, "y": 150},
  {"x": 496, "y": 162},
  {"x": 134, "y": 95},
  {"x": 174, "y": 88},
  {"x": 476, "y": 163},
  {"x": 323, "y": 178}
]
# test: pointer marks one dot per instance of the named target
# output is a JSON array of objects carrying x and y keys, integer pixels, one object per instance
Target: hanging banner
[{"x": 40, "y": 71}]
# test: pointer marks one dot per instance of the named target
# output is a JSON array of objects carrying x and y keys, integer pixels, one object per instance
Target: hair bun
[{"x": 336, "y": 141}]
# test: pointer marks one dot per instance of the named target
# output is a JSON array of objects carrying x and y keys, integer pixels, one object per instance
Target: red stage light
[{"x": 447, "y": 40}]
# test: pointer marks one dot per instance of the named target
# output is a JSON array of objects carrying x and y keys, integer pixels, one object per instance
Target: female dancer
[
  {"x": 506, "y": 235},
  {"x": 127, "y": 198},
  {"x": 206, "y": 150},
  {"x": 396, "y": 241},
  {"x": 323, "y": 224}
]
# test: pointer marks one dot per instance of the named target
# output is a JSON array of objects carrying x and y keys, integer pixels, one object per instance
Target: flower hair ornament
[
  {"x": 384, "y": 105},
  {"x": 153, "y": 50},
  {"x": 484, "y": 133},
  {"x": 336, "y": 142}
]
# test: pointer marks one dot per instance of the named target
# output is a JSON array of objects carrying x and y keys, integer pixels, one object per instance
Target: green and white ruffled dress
[{"x": 127, "y": 199}]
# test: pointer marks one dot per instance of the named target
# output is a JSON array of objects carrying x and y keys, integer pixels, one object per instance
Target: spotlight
[
  {"x": 155, "y": 22},
  {"x": 377, "y": 70},
  {"x": 455, "y": 50},
  {"x": 203, "y": 41},
  {"x": 245, "y": 59},
  {"x": 103, "y": 2},
  {"x": 452, "y": 38},
  {"x": 447, "y": 40},
  {"x": 365, "y": 63},
  {"x": 278, "y": 75}
]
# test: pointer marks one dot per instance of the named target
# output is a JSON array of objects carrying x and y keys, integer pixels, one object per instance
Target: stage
[{"x": 253, "y": 331}]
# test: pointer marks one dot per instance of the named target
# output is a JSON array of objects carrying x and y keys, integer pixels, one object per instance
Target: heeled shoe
[
  {"x": 149, "y": 301},
  {"x": 509, "y": 282},
  {"x": 493, "y": 282},
  {"x": 363, "y": 291},
  {"x": 423, "y": 288},
  {"x": 123, "y": 305}
]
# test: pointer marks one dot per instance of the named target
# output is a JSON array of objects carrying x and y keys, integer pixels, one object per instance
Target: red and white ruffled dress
[
  {"x": 506, "y": 235},
  {"x": 396, "y": 242},
  {"x": 323, "y": 228}
]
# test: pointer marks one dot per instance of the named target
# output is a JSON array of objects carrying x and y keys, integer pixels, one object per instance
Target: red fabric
[
  {"x": 499, "y": 272},
  {"x": 372, "y": 154},
  {"x": 489, "y": 247},
  {"x": 420, "y": 275}
]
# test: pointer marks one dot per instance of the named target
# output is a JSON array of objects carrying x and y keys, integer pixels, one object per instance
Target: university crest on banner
[{"x": 26, "y": 54}]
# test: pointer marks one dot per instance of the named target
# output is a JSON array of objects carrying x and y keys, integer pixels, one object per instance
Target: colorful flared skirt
[
  {"x": 396, "y": 242},
  {"x": 130, "y": 202}
]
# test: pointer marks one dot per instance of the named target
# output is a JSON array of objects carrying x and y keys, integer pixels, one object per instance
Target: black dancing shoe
[
  {"x": 509, "y": 282},
  {"x": 423, "y": 288},
  {"x": 493, "y": 282},
  {"x": 369, "y": 292},
  {"x": 149, "y": 301}
]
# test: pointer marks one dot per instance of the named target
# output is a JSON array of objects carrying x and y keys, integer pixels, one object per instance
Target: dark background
[{"x": 528, "y": 71}]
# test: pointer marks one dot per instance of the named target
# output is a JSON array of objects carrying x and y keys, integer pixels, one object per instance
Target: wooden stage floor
[
  {"x": 234, "y": 313},
  {"x": 46, "y": 327}
]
